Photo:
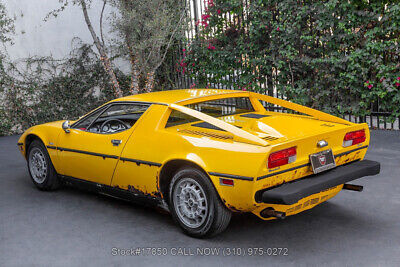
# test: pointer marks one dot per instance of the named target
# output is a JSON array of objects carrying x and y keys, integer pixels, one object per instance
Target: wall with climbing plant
[
  {"x": 42, "y": 89},
  {"x": 39, "y": 90}
]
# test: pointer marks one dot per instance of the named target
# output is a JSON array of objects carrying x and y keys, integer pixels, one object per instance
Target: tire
[
  {"x": 191, "y": 193},
  {"x": 41, "y": 170}
]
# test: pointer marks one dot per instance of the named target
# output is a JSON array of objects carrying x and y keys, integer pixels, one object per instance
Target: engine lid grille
[
  {"x": 270, "y": 138},
  {"x": 207, "y": 134}
]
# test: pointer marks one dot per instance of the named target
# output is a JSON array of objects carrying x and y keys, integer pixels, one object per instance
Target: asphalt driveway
[{"x": 71, "y": 227}]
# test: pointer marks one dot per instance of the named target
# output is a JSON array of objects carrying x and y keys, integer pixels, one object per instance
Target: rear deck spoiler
[
  {"x": 246, "y": 137},
  {"x": 299, "y": 108}
]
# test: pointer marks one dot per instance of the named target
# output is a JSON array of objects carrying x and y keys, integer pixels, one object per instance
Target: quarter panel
[{"x": 155, "y": 145}]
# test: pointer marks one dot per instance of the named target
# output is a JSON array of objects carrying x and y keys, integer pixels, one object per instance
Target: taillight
[
  {"x": 282, "y": 157},
  {"x": 353, "y": 138}
]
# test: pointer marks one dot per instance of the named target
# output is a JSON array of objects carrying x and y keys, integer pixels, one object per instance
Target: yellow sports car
[{"x": 203, "y": 154}]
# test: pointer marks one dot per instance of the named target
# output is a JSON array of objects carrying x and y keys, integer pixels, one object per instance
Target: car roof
[{"x": 176, "y": 96}]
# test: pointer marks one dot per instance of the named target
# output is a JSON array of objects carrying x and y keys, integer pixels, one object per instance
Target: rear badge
[
  {"x": 322, "y": 161},
  {"x": 322, "y": 143}
]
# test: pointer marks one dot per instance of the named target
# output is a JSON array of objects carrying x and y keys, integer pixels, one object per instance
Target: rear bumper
[{"x": 291, "y": 193}]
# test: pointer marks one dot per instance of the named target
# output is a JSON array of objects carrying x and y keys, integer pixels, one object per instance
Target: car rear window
[{"x": 215, "y": 108}]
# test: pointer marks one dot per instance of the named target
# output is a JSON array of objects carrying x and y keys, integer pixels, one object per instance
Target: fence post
[{"x": 196, "y": 18}]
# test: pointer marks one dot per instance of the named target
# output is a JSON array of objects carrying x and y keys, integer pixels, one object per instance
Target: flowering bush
[{"x": 338, "y": 56}]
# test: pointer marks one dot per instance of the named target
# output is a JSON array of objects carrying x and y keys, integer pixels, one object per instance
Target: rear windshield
[{"x": 214, "y": 108}]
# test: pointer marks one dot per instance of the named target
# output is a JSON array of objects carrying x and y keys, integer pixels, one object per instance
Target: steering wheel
[{"x": 121, "y": 126}]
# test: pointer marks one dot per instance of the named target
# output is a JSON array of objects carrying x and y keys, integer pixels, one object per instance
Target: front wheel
[
  {"x": 195, "y": 205},
  {"x": 40, "y": 168}
]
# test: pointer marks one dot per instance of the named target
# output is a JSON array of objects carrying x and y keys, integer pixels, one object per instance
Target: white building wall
[{"x": 36, "y": 37}]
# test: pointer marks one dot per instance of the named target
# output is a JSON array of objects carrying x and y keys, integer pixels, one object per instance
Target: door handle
[{"x": 116, "y": 142}]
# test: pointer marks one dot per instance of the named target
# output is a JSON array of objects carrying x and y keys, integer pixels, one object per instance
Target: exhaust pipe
[
  {"x": 270, "y": 212},
  {"x": 353, "y": 187}
]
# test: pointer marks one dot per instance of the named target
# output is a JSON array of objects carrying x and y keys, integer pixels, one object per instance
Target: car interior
[{"x": 112, "y": 119}]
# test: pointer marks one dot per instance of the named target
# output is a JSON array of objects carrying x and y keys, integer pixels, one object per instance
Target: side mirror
[{"x": 66, "y": 126}]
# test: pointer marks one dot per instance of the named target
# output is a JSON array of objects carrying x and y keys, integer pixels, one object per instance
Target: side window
[
  {"x": 177, "y": 118},
  {"x": 87, "y": 121},
  {"x": 215, "y": 108},
  {"x": 116, "y": 118}
]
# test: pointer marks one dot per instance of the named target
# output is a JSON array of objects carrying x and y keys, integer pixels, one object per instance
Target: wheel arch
[
  {"x": 168, "y": 170},
  {"x": 29, "y": 139},
  {"x": 29, "y": 136}
]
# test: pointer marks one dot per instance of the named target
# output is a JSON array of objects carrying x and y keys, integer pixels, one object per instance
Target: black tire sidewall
[
  {"x": 210, "y": 195},
  {"x": 49, "y": 181}
]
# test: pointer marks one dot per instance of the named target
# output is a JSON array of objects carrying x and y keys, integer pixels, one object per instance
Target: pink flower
[
  {"x": 219, "y": 11},
  {"x": 244, "y": 88},
  {"x": 277, "y": 29},
  {"x": 369, "y": 86},
  {"x": 398, "y": 78},
  {"x": 183, "y": 50},
  {"x": 192, "y": 86},
  {"x": 367, "y": 82},
  {"x": 205, "y": 16},
  {"x": 193, "y": 64},
  {"x": 397, "y": 84},
  {"x": 211, "y": 47},
  {"x": 182, "y": 63}
]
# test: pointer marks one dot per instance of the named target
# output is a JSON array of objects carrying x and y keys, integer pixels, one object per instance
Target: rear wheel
[
  {"x": 40, "y": 168},
  {"x": 195, "y": 205}
]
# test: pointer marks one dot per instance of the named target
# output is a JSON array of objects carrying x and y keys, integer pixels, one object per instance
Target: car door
[
  {"x": 91, "y": 149},
  {"x": 143, "y": 155}
]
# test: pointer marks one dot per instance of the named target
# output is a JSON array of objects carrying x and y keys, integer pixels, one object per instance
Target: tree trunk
[
  {"x": 103, "y": 55},
  {"x": 149, "y": 81},
  {"x": 134, "y": 88}
]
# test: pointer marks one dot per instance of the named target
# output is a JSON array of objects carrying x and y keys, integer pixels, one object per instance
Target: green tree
[
  {"x": 6, "y": 25},
  {"x": 6, "y": 31},
  {"x": 146, "y": 30},
  {"x": 97, "y": 40}
]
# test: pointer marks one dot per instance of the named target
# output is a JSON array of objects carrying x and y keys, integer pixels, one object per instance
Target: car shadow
[{"x": 319, "y": 224}]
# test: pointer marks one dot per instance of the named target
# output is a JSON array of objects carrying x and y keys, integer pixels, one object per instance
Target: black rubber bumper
[{"x": 290, "y": 193}]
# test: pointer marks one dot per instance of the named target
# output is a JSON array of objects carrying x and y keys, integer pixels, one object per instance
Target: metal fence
[{"x": 378, "y": 118}]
